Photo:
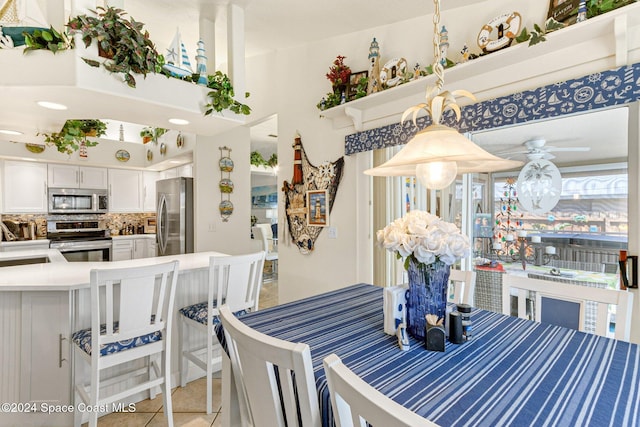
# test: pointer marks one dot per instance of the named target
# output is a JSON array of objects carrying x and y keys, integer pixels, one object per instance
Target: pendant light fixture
[{"x": 438, "y": 153}]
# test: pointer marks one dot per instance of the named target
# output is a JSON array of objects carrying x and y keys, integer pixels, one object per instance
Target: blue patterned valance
[{"x": 598, "y": 90}]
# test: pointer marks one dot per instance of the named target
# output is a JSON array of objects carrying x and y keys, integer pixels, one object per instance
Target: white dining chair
[
  {"x": 464, "y": 284},
  {"x": 233, "y": 280},
  {"x": 357, "y": 404},
  {"x": 543, "y": 292},
  {"x": 264, "y": 234},
  {"x": 274, "y": 378},
  {"x": 131, "y": 319}
]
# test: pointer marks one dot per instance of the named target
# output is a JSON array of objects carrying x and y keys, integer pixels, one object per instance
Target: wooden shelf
[{"x": 604, "y": 42}]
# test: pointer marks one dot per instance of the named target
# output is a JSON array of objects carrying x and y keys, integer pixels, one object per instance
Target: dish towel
[{"x": 394, "y": 307}]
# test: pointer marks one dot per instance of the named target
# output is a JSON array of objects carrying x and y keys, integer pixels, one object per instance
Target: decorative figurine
[
  {"x": 444, "y": 45},
  {"x": 343, "y": 98},
  {"x": 374, "y": 69},
  {"x": 507, "y": 26},
  {"x": 201, "y": 64},
  {"x": 582, "y": 12},
  {"x": 465, "y": 53},
  {"x": 178, "y": 63}
]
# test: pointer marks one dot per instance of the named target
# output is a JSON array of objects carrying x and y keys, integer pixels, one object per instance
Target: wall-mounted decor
[
  {"x": 34, "y": 148},
  {"x": 149, "y": 155},
  {"x": 180, "y": 140},
  {"x": 225, "y": 184},
  {"x": 317, "y": 214},
  {"x": 163, "y": 148},
  {"x": 317, "y": 183},
  {"x": 123, "y": 155}
]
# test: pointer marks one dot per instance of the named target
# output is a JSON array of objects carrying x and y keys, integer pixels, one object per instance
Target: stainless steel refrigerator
[{"x": 174, "y": 228}]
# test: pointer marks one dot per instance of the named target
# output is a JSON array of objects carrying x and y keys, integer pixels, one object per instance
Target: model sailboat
[
  {"x": 16, "y": 17},
  {"x": 178, "y": 63}
]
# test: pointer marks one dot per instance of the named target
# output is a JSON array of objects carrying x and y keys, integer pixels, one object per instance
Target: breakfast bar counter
[{"x": 43, "y": 300}]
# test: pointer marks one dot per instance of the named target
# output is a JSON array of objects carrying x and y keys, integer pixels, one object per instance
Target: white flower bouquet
[{"x": 425, "y": 237}]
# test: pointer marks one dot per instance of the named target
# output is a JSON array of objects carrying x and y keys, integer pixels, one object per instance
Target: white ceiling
[{"x": 604, "y": 131}]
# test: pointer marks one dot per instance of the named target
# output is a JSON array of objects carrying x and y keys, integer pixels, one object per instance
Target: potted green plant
[
  {"x": 123, "y": 41},
  {"x": 74, "y": 133},
  {"x": 149, "y": 133},
  {"x": 256, "y": 159}
]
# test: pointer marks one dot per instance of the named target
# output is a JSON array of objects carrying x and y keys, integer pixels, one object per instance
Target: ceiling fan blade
[{"x": 552, "y": 149}]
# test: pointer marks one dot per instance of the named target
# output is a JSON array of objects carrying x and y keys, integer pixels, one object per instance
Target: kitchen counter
[
  {"x": 60, "y": 275},
  {"x": 42, "y": 304}
]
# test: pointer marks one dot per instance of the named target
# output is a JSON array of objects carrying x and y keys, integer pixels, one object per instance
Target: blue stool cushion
[
  {"x": 82, "y": 339},
  {"x": 198, "y": 312}
]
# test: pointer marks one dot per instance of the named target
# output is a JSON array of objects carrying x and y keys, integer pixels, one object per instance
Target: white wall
[{"x": 212, "y": 233}]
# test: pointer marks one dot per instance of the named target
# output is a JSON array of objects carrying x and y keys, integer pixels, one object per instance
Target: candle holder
[{"x": 516, "y": 249}]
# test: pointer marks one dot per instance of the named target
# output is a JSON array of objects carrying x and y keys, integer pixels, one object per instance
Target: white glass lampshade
[
  {"x": 440, "y": 143},
  {"x": 436, "y": 175}
]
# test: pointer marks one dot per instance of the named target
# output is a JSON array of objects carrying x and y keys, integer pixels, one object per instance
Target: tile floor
[{"x": 189, "y": 407}]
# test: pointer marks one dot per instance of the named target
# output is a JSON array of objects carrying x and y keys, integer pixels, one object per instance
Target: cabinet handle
[
  {"x": 44, "y": 183},
  {"x": 82, "y": 177},
  {"x": 77, "y": 177},
  {"x": 60, "y": 359}
]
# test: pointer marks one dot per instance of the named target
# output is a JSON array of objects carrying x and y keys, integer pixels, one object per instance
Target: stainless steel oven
[
  {"x": 77, "y": 201},
  {"x": 80, "y": 239}
]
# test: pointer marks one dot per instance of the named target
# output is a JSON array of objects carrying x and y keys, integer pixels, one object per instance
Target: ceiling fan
[
  {"x": 536, "y": 149},
  {"x": 539, "y": 183}
]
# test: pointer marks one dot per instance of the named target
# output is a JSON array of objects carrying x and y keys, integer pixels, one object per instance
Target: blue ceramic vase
[{"x": 427, "y": 294}]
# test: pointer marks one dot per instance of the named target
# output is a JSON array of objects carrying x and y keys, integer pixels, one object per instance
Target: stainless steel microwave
[{"x": 77, "y": 200}]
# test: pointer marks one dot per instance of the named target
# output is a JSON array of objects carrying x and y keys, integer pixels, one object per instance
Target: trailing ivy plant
[
  {"x": 221, "y": 97},
  {"x": 50, "y": 39},
  {"x": 538, "y": 34},
  {"x": 74, "y": 133}
]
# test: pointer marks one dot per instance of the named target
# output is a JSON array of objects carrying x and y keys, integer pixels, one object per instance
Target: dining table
[{"x": 511, "y": 372}]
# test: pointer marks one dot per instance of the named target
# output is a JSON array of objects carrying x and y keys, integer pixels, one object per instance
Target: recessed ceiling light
[
  {"x": 52, "y": 105},
  {"x": 179, "y": 121},
  {"x": 10, "y": 132}
]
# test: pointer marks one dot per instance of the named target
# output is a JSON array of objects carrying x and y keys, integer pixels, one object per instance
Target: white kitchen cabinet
[
  {"x": 133, "y": 247},
  {"x": 68, "y": 176},
  {"x": 24, "y": 187},
  {"x": 45, "y": 367},
  {"x": 122, "y": 249},
  {"x": 149, "y": 179},
  {"x": 125, "y": 190}
]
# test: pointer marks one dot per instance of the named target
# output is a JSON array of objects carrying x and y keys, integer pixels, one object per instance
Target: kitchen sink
[{"x": 23, "y": 261}]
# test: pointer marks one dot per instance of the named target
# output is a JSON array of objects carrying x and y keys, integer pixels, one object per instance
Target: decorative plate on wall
[
  {"x": 123, "y": 155},
  {"x": 163, "y": 149},
  {"x": 149, "y": 155},
  {"x": 226, "y": 208},
  {"x": 226, "y": 185},
  {"x": 180, "y": 140},
  {"x": 226, "y": 164},
  {"x": 35, "y": 148}
]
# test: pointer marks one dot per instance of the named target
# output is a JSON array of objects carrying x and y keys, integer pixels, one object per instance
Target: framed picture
[
  {"x": 564, "y": 11},
  {"x": 317, "y": 208},
  {"x": 352, "y": 87},
  {"x": 483, "y": 225}
]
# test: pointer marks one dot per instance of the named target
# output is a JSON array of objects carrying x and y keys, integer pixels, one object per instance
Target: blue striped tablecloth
[{"x": 513, "y": 373}]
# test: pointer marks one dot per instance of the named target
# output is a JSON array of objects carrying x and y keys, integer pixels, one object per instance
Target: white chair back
[
  {"x": 138, "y": 298},
  {"x": 263, "y": 232},
  {"x": 236, "y": 281},
  {"x": 131, "y": 319},
  {"x": 357, "y": 404},
  {"x": 535, "y": 290},
  {"x": 275, "y": 376},
  {"x": 464, "y": 284}
]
